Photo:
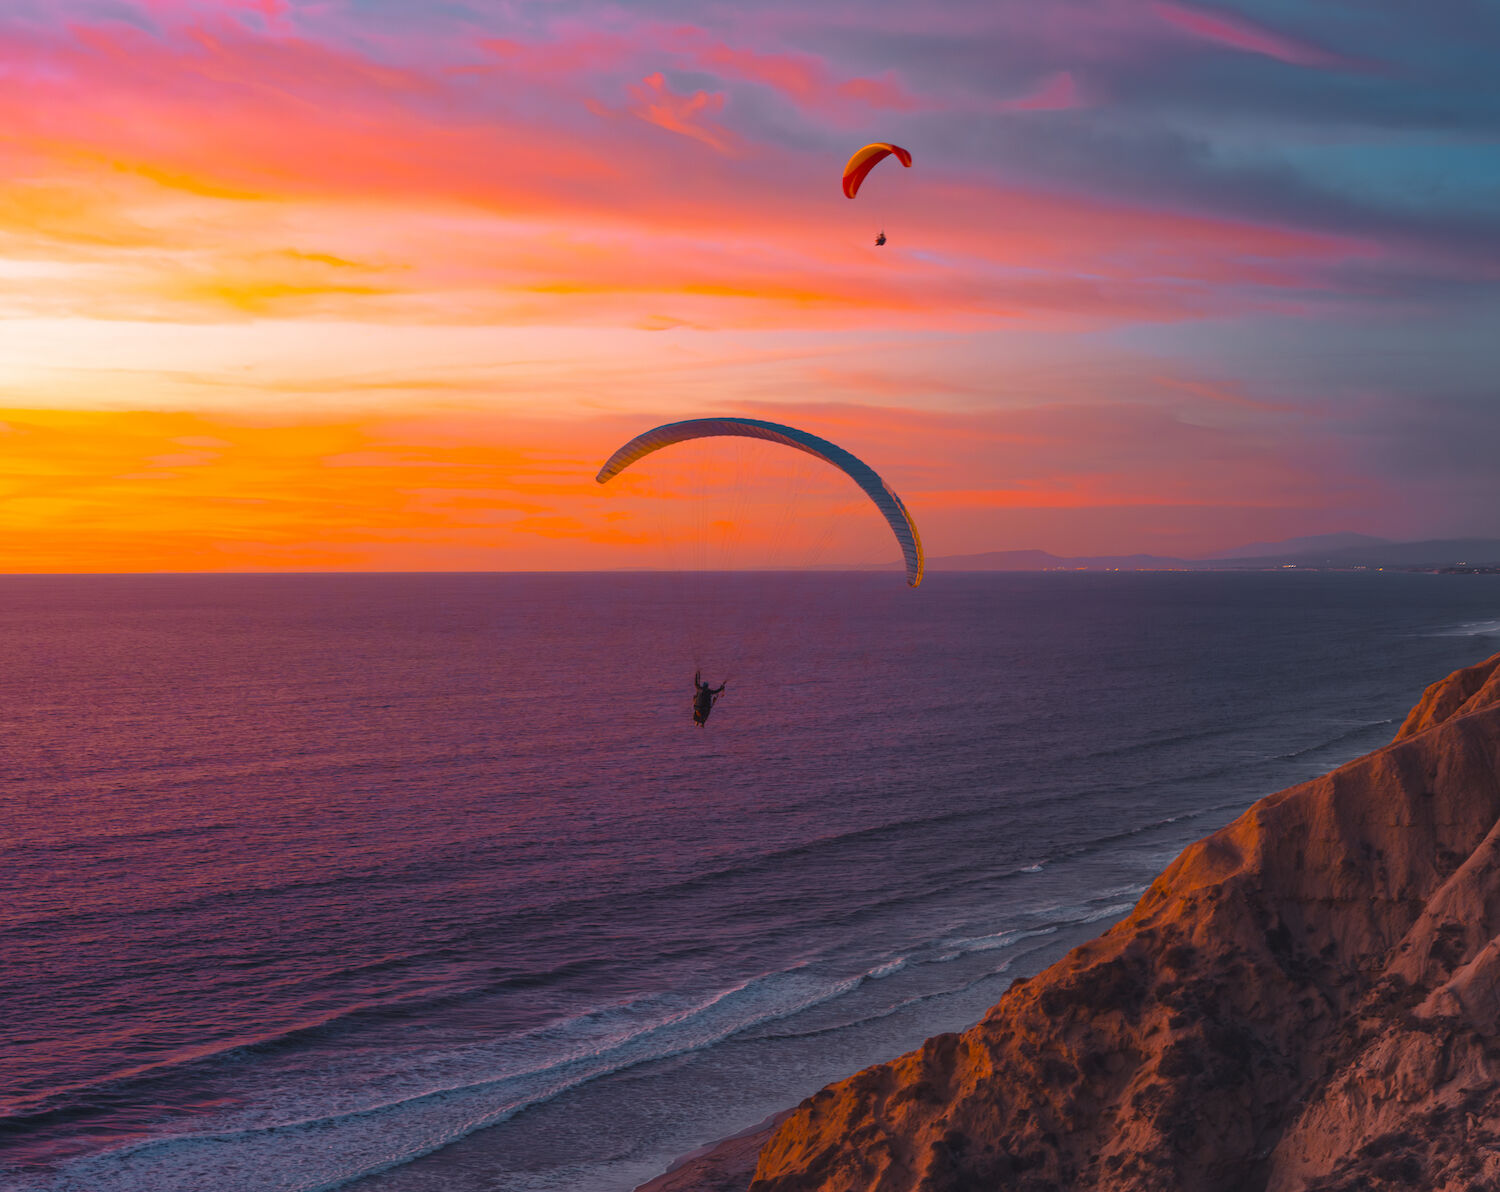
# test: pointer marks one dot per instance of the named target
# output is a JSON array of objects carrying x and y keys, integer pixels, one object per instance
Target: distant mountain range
[
  {"x": 1322, "y": 551},
  {"x": 1312, "y": 544}
]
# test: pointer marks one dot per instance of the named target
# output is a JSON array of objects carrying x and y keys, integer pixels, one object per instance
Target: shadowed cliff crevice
[{"x": 1309, "y": 998}]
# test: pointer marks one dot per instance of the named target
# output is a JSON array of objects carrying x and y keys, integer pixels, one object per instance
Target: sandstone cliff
[{"x": 1307, "y": 999}]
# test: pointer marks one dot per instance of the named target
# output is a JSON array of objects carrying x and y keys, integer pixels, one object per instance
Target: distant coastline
[{"x": 1334, "y": 552}]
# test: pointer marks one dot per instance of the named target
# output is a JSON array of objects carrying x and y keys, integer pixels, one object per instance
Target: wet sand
[{"x": 724, "y": 1166}]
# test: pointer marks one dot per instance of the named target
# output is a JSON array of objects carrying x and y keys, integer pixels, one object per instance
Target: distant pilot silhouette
[{"x": 704, "y": 698}]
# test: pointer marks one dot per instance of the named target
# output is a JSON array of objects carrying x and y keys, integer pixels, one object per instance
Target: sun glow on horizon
[{"x": 396, "y": 277}]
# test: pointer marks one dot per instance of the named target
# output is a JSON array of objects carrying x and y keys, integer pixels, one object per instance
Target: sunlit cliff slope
[{"x": 1307, "y": 999}]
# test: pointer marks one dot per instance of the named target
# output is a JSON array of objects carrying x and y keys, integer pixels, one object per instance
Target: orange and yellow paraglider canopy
[{"x": 866, "y": 159}]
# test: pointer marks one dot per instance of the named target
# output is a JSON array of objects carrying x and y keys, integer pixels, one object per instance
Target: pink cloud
[
  {"x": 173, "y": 10},
  {"x": 690, "y": 115},
  {"x": 1240, "y": 34},
  {"x": 1057, "y": 92},
  {"x": 1228, "y": 393},
  {"x": 570, "y": 213},
  {"x": 803, "y": 78},
  {"x": 587, "y": 51},
  {"x": 879, "y": 93},
  {"x": 229, "y": 110}
]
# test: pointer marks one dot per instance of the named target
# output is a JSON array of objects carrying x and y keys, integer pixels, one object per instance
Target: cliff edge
[{"x": 1307, "y": 999}]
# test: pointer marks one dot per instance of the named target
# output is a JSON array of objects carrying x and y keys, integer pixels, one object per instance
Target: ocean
[{"x": 421, "y": 882}]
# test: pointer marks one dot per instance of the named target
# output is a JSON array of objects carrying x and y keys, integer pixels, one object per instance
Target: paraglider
[
  {"x": 891, "y": 508},
  {"x": 884, "y": 498},
  {"x": 704, "y": 698},
  {"x": 865, "y": 160}
]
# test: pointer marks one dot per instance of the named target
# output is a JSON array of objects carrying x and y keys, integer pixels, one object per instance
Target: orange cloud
[
  {"x": 134, "y": 491},
  {"x": 656, "y": 103},
  {"x": 90, "y": 491}
]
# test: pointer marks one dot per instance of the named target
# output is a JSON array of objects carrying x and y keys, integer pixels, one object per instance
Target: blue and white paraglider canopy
[{"x": 890, "y": 505}]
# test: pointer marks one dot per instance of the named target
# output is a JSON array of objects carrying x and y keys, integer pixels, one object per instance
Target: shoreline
[
  {"x": 724, "y": 1166},
  {"x": 727, "y": 1164}
]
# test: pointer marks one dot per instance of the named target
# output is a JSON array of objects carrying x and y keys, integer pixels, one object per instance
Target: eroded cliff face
[{"x": 1307, "y": 999}]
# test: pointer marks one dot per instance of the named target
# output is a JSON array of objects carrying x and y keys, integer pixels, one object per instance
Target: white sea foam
[
  {"x": 1489, "y": 628},
  {"x": 440, "y": 1098},
  {"x": 301, "y": 1136},
  {"x": 1000, "y": 939}
]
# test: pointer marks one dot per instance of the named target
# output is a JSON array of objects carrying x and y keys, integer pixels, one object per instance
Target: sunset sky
[{"x": 378, "y": 284}]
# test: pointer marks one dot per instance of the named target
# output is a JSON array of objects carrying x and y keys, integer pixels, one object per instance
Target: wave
[
  {"x": 474, "y": 1088},
  {"x": 1052, "y": 919},
  {"x": 1103, "y": 841},
  {"x": 749, "y": 865},
  {"x": 124, "y": 835},
  {"x": 1153, "y": 743},
  {"x": 1468, "y": 629},
  {"x": 907, "y": 1003},
  {"x": 1074, "y": 915},
  {"x": 19, "y": 1112},
  {"x": 1001, "y": 939},
  {"x": 411, "y": 1112},
  {"x": 1360, "y": 729}
]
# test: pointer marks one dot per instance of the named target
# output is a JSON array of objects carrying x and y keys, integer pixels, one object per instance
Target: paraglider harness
[
  {"x": 880, "y": 239},
  {"x": 704, "y": 698}
]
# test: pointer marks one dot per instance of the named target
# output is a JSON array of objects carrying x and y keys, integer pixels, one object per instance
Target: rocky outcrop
[{"x": 1307, "y": 999}]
